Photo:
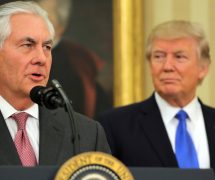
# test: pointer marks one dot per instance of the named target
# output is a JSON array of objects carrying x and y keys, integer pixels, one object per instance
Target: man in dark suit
[
  {"x": 149, "y": 133},
  {"x": 32, "y": 135}
]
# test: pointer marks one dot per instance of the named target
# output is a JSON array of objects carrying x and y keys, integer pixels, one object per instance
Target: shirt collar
[
  {"x": 168, "y": 111},
  {"x": 7, "y": 110}
]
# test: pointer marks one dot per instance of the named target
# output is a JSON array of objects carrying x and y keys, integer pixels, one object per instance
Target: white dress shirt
[
  {"x": 195, "y": 126},
  {"x": 32, "y": 123}
]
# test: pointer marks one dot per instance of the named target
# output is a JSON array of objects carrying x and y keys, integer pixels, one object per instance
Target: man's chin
[
  {"x": 32, "y": 85},
  {"x": 169, "y": 93},
  {"x": 41, "y": 83}
]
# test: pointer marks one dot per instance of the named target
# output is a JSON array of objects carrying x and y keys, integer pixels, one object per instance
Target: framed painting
[{"x": 91, "y": 36}]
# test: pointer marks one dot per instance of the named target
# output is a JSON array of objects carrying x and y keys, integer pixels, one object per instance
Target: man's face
[
  {"x": 176, "y": 68},
  {"x": 25, "y": 58}
]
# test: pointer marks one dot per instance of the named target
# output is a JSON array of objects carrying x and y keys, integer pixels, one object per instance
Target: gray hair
[
  {"x": 178, "y": 29},
  {"x": 9, "y": 9}
]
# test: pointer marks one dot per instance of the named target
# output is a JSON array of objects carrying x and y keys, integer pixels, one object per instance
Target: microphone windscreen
[{"x": 36, "y": 93}]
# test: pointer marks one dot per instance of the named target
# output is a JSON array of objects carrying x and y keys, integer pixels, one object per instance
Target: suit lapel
[
  {"x": 8, "y": 153},
  {"x": 153, "y": 126},
  {"x": 209, "y": 117},
  {"x": 51, "y": 136}
]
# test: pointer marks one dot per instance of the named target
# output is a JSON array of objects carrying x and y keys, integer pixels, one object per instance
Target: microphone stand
[{"x": 69, "y": 109}]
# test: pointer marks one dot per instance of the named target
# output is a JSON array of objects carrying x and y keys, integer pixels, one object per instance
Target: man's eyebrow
[
  {"x": 180, "y": 51},
  {"x": 29, "y": 39},
  {"x": 158, "y": 51},
  {"x": 50, "y": 41}
]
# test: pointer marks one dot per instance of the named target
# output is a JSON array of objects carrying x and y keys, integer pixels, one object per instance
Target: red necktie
[{"x": 22, "y": 143}]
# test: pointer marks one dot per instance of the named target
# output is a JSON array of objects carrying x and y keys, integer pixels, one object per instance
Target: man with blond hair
[{"x": 172, "y": 128}]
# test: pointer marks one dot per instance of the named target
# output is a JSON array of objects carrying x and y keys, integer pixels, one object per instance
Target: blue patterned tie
[{"x": 185, "y": 149}]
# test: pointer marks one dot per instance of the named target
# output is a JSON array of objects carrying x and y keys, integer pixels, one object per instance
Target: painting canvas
[{"x": 91, "y": 25}]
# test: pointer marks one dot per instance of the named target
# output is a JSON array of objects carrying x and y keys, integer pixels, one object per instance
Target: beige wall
[{"x": 201, "y": 11}]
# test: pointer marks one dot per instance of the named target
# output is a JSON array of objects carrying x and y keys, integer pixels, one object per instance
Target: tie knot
[
  {"x": 20, "y": 119},
  {"x": 181, "y": 115}
]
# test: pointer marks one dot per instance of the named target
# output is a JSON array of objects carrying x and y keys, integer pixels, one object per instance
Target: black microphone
[{"x": 47, "y": 96}]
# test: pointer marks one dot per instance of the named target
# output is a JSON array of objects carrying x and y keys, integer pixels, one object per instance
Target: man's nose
[
  {"x": 39, "y": 56},
  {"x": 169, "y": 63}
]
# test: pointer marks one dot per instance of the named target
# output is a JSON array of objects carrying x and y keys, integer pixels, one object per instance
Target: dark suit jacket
[
  {"x": 55, "y": 138},
  {"x": 137, "y": 135}
]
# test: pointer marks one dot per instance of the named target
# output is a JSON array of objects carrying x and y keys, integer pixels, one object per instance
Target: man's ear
[{"x": 203, "y": 69}]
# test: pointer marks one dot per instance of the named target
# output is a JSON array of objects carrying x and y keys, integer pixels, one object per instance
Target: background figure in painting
[{"x": 75, "y": 66}]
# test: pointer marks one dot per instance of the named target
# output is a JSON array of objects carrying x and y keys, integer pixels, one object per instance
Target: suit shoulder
[
  {"x": 124, "y": 109},
  {"x": 123, "y": 114},
  {"x": 208, "y": 109},
  {"x": 84, "y": 120},
  {"x": 130, "y": 110},
  {"x": 63, "y": 118}
]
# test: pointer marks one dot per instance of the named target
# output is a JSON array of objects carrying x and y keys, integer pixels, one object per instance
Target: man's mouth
[
  {"x": 37, "y": 76},
  {"x": 169, "y": 80}
]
